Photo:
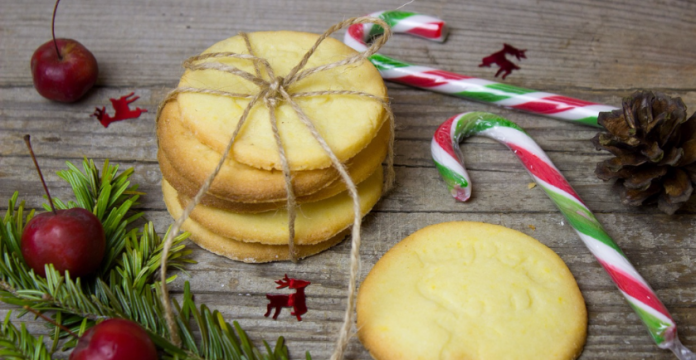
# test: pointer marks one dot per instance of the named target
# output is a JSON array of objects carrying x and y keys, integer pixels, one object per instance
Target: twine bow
[{"x": 272, "y": 92}]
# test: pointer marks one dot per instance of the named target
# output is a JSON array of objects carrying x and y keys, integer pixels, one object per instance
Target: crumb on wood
[
  {"x": 532, "y": 227},
  {"x": 531, "y": 185}
]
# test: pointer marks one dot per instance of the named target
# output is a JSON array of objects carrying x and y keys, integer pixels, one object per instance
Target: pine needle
[{"x": 19, "y": 344}]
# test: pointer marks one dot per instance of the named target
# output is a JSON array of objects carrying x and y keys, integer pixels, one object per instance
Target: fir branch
[
  {"x": 124, "y": 286},
  {"x": 126, "y": 293}
]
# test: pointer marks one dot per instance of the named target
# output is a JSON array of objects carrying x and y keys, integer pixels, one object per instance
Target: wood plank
[
  {"x": 589, "y": 44},
  {"x": 418, "y": 189}
]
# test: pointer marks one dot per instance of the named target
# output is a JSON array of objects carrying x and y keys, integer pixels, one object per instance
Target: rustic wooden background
[{"x": 590, "y": 49}]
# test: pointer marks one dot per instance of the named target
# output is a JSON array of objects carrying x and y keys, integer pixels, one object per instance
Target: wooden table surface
[{"x": 595, "y": 50}]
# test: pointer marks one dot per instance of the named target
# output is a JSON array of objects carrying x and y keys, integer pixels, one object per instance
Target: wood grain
[{"x": 590, "y": 49}]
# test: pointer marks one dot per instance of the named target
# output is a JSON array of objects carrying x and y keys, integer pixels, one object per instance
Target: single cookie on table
[
  {"x": 315, "y": 221},
  {"x": 475, "y": 291},
  {"x": 347, "y": 122},
  {"x": 190, "y": 162},
  {"x": 190, "y": 154},
  {"x": 240, "y": 250}
]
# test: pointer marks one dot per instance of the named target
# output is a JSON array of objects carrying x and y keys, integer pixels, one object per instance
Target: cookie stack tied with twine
[{"x": 245, "y": 120}]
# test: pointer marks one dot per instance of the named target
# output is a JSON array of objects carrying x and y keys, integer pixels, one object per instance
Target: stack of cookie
[{"x": 243, "y": 215}]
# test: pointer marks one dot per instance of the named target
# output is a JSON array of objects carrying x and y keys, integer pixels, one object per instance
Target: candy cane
[
  {"x": 509, "y": 96},
  {"x": 448, "y": 160}
]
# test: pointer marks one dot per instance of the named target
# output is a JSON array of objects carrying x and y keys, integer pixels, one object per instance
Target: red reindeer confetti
[
  {"x": 498, "y": 58},
  {"x": 296, "y": 301},
  {"x": 123, "y": 110}
]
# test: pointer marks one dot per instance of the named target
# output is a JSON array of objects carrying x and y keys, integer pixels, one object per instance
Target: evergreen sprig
[
  {"x": 19, "y": 344},
  {"x": 108, "y": 197},
  {"x": 125, "y": 286}
]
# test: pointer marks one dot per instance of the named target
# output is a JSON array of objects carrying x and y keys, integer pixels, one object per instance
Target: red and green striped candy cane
[
  {"x": 403, "y": 22},
  {"x": 508, "y": 96},
  {"x": 448, "y": 160}
]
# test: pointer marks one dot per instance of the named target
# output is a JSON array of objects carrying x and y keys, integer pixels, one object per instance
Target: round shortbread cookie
[
  {"x": 237, "y": 181},
  {"x": 346, "y": 122},
  {"x": 475, "y": 291},
  {"x": 239, "y": 250},
  {"x": 188, "y": 189},
  {"x": 315, "y": 221}
]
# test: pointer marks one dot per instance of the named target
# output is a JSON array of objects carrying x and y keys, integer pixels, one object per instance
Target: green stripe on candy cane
[
  {"x": 510, "y": 89},
  {"x": 581, "y": 219},
  {"x": 652, "y": 322},
  {"x": 451, "y": 176},
  {"x": 493, "y": 97},
  {"x": 590, "y": 120},
  {"x": 382, "y": 62},
  {"x": 489, "y": 121},
  {"x": 391, "y": 18},
  {"x": 481, "y": 96}
]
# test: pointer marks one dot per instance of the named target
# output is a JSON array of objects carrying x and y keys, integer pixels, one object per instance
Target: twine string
[
  {"x": 229, "y": 69},
  {"x": 251, "y": 52},
  {"x": 291, "y": 201},
  {"x": 271, "y": 102},
  {"x": 343, "y": 336},
  {"x": 271, "y": 92}
]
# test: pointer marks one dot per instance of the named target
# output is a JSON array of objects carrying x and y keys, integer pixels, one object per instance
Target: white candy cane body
[{"x": 448, "y": 159}]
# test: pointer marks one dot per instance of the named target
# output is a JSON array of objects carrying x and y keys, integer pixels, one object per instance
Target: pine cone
[{"x": 654, "y": 145}]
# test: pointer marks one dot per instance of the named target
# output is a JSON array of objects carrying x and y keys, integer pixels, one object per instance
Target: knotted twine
[{"x": 272, "y": 92}]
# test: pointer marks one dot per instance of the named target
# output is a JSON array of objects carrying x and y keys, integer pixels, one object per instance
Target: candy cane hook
[
  {"x": 508, "y": 96},
  {"x": 448, "y": 160}
]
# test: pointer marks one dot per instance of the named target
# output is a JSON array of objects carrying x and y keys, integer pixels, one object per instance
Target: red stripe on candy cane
[
  {"x": 428, "y": 30},
  {"x": 542, "y": 107},
  {"x": 543, "y": 171},
  {"x": 356, "y": 32},
  {"x": 634, "y": 288},
  {"x": 569, "y": 101},
  {"x": 443, "y": 137},
  {"x": 428, "y": 79},
  {"x": 447, "y": 75}
]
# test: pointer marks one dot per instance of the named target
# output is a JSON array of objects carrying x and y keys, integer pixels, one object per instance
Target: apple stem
[
  {"x": 35, "y": 312},
  {"x": 27, "y": 140},
  {"x": 53, "y": 30}
]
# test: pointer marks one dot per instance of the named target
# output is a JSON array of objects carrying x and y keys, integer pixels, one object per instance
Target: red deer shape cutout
[
  {"x": 123, "y": 111},
  {"x": 296, "y": 301},
  {"x": 499, "y": 59}
]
